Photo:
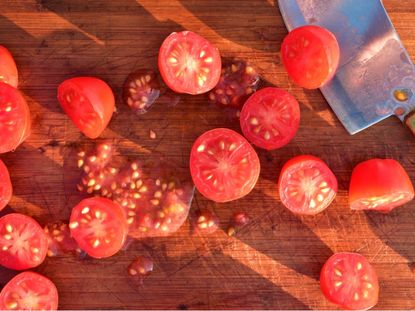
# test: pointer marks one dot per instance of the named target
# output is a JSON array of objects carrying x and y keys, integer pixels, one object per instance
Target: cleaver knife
[{"x": 376, "y": 77}]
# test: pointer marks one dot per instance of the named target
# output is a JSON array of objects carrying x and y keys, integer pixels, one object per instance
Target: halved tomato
[
  {"x": 23, "y": 244},
  {"x": 6, "y": 188},
  {"x": 310, "y": 55},
  {"x": 189, "y": 63},
  {"x": 307, "y": 185},
  {"x": 349, "y": 280},
  {"x": 29, "y": 291},
  {"x": 89, "y": 102},
  {"x": 224, "y": 166},
  {"x": 99, "y": 226},
  {"x": 270, "y": 118},
  {"x": 8, "y": 68},
  {"x": 379, "y": 184}
]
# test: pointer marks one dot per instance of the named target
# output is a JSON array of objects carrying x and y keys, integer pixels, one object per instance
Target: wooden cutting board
[{"x": 274, "y": 262}]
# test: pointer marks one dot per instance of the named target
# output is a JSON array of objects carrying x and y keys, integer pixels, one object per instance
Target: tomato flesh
[
  {"x": 349, "y": 280},
  {"x": 189, "y": 63},
  {"x": 307, "y": 185},
  {"x": 223, "y": 165},
  {"x": 6, "y": 189},
  {"x": 23, "y": 244},
  {"x": 8, "y": 68},
  {"x": 29, "y": 291},
  {"x": 60, "y": 240}
]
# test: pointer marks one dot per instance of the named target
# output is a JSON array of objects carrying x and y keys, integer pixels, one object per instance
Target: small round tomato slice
[
  {"x": 307, "y": 185},
  {"x": 223, "y": 165},
  {"x": 270, "y": 118},
  {"x": 8, "y": 68},
  {"x": 23, "y": 243},
  {"x": 99, "y": 227},
  {"x": 310, "y": 55},
  {"x": 379, "y": 184},
  {"x": 189, "y": 63},
  {"x": 6, "y": 188},
  {"x": 29, "y": 291},
  {"x": 349, "y": 280},
  {"x": 89, "y": 102}
]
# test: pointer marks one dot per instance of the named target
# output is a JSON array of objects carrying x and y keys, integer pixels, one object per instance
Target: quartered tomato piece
[
  {"x": 379, "y": 184},
  {"x": 224, "y": 166},
  {"x": 8, "y": 69},
  {"x": 14, "y": 118},
  {"x": 307, "y": 185},
  {"x": 348, "y": 280},
  {"x": 89, "y": 102},
  {"x": 270, "y": 118},
  {"x": 189, "y": 63},
  {"x": 60, "y": 240},
  {"x": 310, "y": 55},
  {"x": 23, "y": 244},
  {"x": 6, "y": 188},
  {"x": 29, "y": 291}
]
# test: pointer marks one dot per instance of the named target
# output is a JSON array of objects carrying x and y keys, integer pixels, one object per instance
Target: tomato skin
[
  {"x": 379, "y": 184},
  {"x": 8, "y": 68},
  {"x": 6, "y": 189}
]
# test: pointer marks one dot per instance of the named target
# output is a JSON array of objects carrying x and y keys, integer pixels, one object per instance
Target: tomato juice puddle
[
  {"x": 139, "y": 269},
  {"x": 204, "y": 222}
]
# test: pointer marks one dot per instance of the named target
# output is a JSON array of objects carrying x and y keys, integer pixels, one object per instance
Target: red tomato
[
  {"x": 6, "y": 188},
  {"x": 23, "y": 244},
  {"x": 29, "y": 291},
  {"x": 99, "y": 226},
  {"x": 348, "y": 280},
  {"x": 89, "y": 102},
  {"x": 189, "y": 63},
  {"x": 310, "y": 55},
  {"x": 224, "y": 166},
  {"x": 14, "y": 118},
  {"x": 307, "y": 185},
  {"x": 379, "y": 184},
  {"x": 8, "y": 69},
  {"x": 270, "y": 118}
]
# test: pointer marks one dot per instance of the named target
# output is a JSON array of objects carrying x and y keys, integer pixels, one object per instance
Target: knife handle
[{"x": 410, "y": 121}]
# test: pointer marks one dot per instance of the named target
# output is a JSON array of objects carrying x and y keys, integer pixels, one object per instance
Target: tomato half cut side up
[
  {"x": 89, "y": 102},
  {"x": 8, "y": 68},
  {"x": 23, "y": 243},
  {"x": 6, "y": 189},
  {"x": 270, "y": 118},
  {"x": 99, "y": 227},
  {"x": 29, "y": 291},
  {"x": 310, "y": 55},
  {"x": 379, "y": 184},
  {"x": 188, "y": 63},
  {"x": 223, "y": 165},
  {"x": 307, "y": 185},
  {"x": 350, "y": 281}
]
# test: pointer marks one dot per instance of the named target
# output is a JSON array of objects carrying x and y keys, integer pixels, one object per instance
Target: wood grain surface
[{"x": 274, "y": 262}]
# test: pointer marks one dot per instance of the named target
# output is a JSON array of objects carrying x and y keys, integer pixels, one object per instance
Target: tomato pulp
[
  {"x": 8, "y": 68},
  {"x": 6, "y": 188}
]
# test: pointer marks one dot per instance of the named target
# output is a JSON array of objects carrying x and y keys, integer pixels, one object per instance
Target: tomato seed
[{"x": 9, "y": 228}]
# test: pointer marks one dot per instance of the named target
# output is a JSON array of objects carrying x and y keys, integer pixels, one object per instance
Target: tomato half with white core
[
  {"x": 89, "y": 102},
  {"x": 188, "y": 63},
  {"x": 270, "y": 118},
  {"x": 6, "y": 189},
  {"x": 8, "y": 68},
  {"x": 310, "y": 55},
  {"x": 350, "y": 281},
  {"x": 379, "y": 184},
  {"x": 307, "y": 185},
  {"x": 29, "y": 291},
  {"x": 23, "y": 243},
  {"x": 14, "y": 118},
  {"x": 223, "y": 165},
  {"x": 99, "y": 226}
]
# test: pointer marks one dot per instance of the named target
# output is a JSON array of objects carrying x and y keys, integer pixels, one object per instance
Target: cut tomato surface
[
  {"x": 307, "y": 185},
  {"x": 89, "y": 102},
  {"x": 270, "y": 118},
  {"x": 29, "y": 291},
  {"x": 223, "y": 165},
  {"x": 8, "y": 68},
  {"x": 188, "y": 63},
  {"x": 6, "y": 189},
  {"x": 23, "y": 244},
  {"x": 379, "y": 184},
  {"x": 349, "y": 280},
  {"x": 310, "y": 55}
]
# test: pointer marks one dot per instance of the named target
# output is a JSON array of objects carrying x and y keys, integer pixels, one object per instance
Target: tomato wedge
[
  {"x": 6, "y": 188},
  {"x": 8, "y": 68},
  {"x": 99, "y": 227},
  {"x": 310, "y": 55},
  {"x": 307, "y": 185},
  {"x": 349, "y": 280},
  {"x": 188, "y": 63},
  {"x": 270, "y": 118},
  {"x": 29, "y": 291},
  {"x": 89, "y": 102},
  {"x": 223, "y": 165},
  {"x": 379, "y": 184},
  {"x": 23, "y": 244}
]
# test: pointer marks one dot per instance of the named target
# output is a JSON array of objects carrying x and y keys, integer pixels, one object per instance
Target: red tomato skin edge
[
  {"x": 8, "y": 186},
  {"x": 9, "y": 58}
]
